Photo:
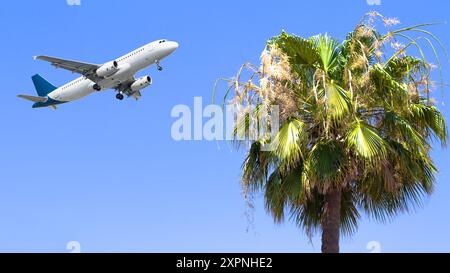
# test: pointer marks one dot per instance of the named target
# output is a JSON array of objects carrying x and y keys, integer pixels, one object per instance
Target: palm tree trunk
[{"x": 331, "y": 221}]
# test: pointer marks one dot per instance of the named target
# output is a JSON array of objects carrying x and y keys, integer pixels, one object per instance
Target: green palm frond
[
  {"x": 287, "y": 145},
  {"x": 256, "y": 167},
  {"x": 400, "y": 126},
  {"x": 365, "y": 141},
  {"x": 412, "y": 174},
  {"x": 338, "y": 101},
  {"x": 401, "y": 67},
  {"x": 388, "y": 87},
  {"x": 411, "y": 166},
  {"x": 328, "y": 50},
  {"x": 301, "y": 52},
  {"x": 284, "y": 189},
  {"x": 308, "y": 216},
  {"x": 349, "y": 212},
  {"x": 326, "y": 162},
  {"x": 383, "y": 205},
  {"x": 428, "y": 116}
]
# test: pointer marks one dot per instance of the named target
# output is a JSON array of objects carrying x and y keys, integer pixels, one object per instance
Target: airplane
[{"x": 118, "y": 74}]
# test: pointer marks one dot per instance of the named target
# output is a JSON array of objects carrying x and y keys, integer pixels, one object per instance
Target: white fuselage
[{"x": 128, "y": 65}]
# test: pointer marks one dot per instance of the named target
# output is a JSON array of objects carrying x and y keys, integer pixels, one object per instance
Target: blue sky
[{"x": 108, "y": 174}]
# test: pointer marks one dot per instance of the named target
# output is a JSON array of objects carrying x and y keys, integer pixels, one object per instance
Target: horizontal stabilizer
[{"x": 32, "y": 98}]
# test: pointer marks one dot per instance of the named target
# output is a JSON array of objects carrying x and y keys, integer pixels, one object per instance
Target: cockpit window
[{"x": 162, "y": 41}]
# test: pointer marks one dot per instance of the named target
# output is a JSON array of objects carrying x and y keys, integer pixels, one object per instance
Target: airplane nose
[
  {"x": 174, "y": 46},
  {"x": 168, "y": 48}
]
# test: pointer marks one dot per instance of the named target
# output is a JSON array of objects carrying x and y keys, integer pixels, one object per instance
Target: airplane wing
[{"x": 85, "y": 69}]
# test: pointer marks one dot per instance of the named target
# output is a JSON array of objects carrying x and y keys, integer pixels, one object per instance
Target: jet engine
[
  {"x": 107, "y": 69},
  {"x": 141, "y": 83}
]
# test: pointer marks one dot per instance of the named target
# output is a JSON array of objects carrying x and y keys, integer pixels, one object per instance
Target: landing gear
[
  {"x": 119, "y": 96},
  {"x": 97, "y": 87},
  {"x": 158, "y": 66}
]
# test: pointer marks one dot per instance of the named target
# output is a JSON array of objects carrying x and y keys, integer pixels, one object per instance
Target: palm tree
[{"x": 356, "y": 129}]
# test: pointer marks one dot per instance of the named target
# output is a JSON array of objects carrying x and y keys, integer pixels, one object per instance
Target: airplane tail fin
[{"x": 43, "y": 87}]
